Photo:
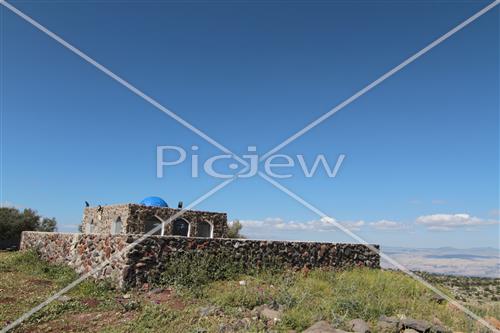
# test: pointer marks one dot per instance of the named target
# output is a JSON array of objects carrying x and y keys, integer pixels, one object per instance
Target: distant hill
[{"x": 481, "y": 262}]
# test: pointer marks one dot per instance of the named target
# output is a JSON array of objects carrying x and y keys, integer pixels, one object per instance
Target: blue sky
[{"x": 422, "y": 149}]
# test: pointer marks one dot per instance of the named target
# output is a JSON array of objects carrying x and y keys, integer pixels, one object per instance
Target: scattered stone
[
  {"x": 242, "y": 324},
  {"x": 388, "y": 324},
  {"x": 208, "y": 310},
  {"x": 417, "y": 325},
  {"x": 409, "y": 330},
  {"x": 64, "y": 298},
  {"x": 438, "y": 299},
  {"x": 322, "y": 327},
  {"x": 359, "y": 326},
  {"x": 265, "y": 312},
  {"x": 440, "y": 329}
]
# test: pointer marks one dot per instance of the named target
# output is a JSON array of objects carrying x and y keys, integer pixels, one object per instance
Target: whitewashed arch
[
  {"x": 117, "y": 226},
  {"x": 90, "y": 227},
  {"x": 179, "y": 227},
  {"x": 202, "y": 232},
  {"x": 153, "y": 223}
]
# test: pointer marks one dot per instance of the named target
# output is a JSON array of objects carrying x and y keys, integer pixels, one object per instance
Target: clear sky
[{"x": 424, "y": 142}]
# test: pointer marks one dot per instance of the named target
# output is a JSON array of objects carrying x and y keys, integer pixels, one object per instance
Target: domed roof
[{"x": 154, "y": 202}]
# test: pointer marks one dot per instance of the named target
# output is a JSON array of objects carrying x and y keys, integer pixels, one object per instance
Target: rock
[
  {"x": 417, "y": 325},
  {"x": 126, "y": 296},
  {"x": 409, "y": 330},
  {"x": 265, "y": 312},
  {"x": 359, "y": 326},
  {"x": 243, "y": 283},
  {"x": 438, "y": 299},
  {"x": 439, "y": 329},
  {"x": 322, "y": 327},
  {"x": 207, "y": 310},
  {"x": 388, "y": 324},
  {"x": 64, "y": 298},
  {"x": 270, "y": 314}
]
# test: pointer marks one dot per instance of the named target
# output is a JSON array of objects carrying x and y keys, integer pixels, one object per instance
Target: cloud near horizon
[
  {"x": 323, "y": 224},
  {"x": 447, "y": 222},
  {"x": 388, "y": 225},
  {"x": 435, "y": 222}
]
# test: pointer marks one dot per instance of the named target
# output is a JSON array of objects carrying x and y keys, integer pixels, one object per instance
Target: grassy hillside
[{"x": 188, "y": 300}]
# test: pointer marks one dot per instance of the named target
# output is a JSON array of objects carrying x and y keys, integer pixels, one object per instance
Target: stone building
[
  {"x": 151, "y": 213},
  {"x": 111, "y": 246}
]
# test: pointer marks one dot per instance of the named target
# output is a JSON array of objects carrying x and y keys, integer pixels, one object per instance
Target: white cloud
[
  {"x": 323, "y": 224},
  {"x": 388, "y": 225},
  {"x": 446, "y": 222}
]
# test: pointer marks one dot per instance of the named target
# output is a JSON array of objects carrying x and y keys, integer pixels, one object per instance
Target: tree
[
  {"x": 13, "y": 222},
  {"x": 234, "y": 230}
]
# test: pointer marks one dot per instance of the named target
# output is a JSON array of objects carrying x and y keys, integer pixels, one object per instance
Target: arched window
[
  {"x": 180, "y": 227},
  {"x": 91, "y": 227},
  {"x": 204, "y": 230},
  {"x": 151, "y": 224},
  {"x": 117, "y": 226}
]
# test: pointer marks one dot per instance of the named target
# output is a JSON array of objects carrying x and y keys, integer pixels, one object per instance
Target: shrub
[
  {"x": 13, "y": 222},
  {"x": 234, "y": 230}
]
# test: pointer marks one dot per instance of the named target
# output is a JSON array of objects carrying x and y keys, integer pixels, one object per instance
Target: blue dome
[{"x": 154, "y": 202}]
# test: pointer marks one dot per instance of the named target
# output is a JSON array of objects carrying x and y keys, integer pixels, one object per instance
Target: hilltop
[{"x": 194, "y": 298}]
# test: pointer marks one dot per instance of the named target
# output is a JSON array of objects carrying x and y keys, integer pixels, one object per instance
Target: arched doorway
[
  {"x": 90, "y": 227},
  {"x": 180, "y": 227},
  {"x": 152, "y": 223},
  {"x": 117, "y": 226},
  {"x": 204, "y": 230}
]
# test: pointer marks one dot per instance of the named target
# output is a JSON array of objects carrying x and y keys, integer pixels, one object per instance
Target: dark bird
[
  {"x": 87, "y": 204},
  {"x": 180, "y": 204}
]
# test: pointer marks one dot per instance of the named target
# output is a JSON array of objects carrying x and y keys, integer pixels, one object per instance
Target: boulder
[
  {"x": 388, "y": 325},
  {"x": 359, "y": 326},
  {"x": 440, "y": 329},
  {"x": 417, "y": 325},
  {"x": 438, "y": 299},
  {"x": 322, "y": 327},
  {"x": 265, "y": 312}
]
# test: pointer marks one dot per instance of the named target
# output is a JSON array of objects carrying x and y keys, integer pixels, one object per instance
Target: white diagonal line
[
  {"x": 76, "y": 282},
  {"x": 120, "y": 80},
  {"x": 375, "y": 250},
  {"x": 380, "y": 79}
]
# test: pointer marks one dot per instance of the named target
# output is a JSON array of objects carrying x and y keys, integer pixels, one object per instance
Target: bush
[
  {"x": 13, "y": 222},
  {"x": 234, "y": 230}
]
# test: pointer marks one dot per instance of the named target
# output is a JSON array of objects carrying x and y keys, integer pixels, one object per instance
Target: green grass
[{"x": 303, "y": 299}]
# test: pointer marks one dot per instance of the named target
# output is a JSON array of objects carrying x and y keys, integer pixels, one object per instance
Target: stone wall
[
  {"x": 81, "y": 252},
  {"x": 144, "y": 261},
  {"x": 102, "y": 217},
  {"x": 135, "y": 217},
  {"x": 140, "y": 214}
]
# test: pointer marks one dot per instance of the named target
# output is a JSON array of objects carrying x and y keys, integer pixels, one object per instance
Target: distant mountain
[{"x": 482, "y": 262}]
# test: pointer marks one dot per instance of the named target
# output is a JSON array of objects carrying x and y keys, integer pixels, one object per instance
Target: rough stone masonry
[
  {"x": 131, "y": 266},
  {"x": 111, "y": 235}
]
